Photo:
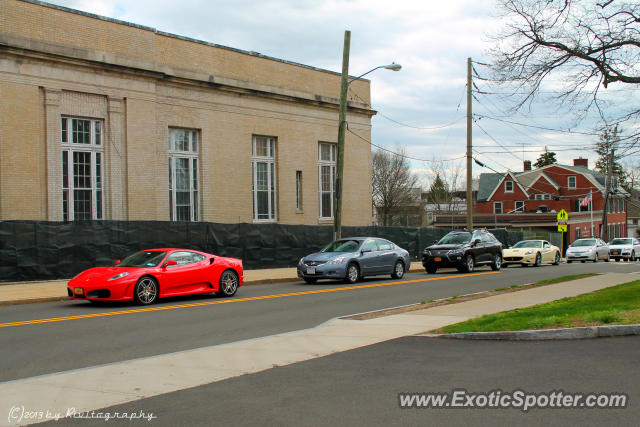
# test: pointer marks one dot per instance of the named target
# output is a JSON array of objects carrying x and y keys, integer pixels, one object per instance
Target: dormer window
[
  {"x": 571, "y": 182},
  {"x": 508, "y": 186}
]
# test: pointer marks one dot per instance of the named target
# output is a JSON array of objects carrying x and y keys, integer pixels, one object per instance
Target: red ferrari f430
[{"x": 157, "y": 273}]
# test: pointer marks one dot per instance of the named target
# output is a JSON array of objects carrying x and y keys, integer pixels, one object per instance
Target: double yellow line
[{"x": 228, "y": 301}]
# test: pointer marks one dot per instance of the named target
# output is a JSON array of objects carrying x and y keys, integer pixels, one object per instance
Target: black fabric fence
[{"x": 37, "y": 250}]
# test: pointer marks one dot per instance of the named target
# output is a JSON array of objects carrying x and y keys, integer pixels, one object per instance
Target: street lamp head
[{"x": 393, "y": 67}]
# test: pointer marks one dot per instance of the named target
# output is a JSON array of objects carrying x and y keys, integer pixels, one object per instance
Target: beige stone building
[{"x": 103, "y": 119}]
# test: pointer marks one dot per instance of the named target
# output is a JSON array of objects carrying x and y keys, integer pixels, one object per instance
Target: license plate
[
  {"x": 437, "y": 259},
  {"x": 77, "y": 291},
  {"x": 311, "y": 270},
  {"x": 616, "y": 252}
]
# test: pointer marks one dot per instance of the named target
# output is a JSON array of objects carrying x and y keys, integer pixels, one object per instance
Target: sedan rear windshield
[
  {"x": 587, "y": 242},
  {"x": 621, "y": 242},
  {"x": 343, "y": 246},
  {"x": 455, "y": 239},
  {"x": 528, "y": 244},
  {"x": 143, "y": 259}
]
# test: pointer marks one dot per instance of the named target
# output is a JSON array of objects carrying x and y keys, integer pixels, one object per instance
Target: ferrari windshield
[
  {"x": 621, "y": 242},
  {"x": 143, "y": 259},
  {"x": 528, "y": 244},
  {"x": 585, "y": 242},
  {"x": 342, "y": 246},
  {"x": 455, "y": 239}
]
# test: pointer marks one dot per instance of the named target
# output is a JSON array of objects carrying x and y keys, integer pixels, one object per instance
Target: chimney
[
  {"x": 581, "y": 162},
  {"x": 527, "y": 165}
]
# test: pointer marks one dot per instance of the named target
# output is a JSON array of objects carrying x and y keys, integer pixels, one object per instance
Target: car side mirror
[
  {"x": 117, "y": 261},
  {"x": 475, "y": 242},
  {"x": 170, "y": 263},
  {"x": 364, "y": 251}
]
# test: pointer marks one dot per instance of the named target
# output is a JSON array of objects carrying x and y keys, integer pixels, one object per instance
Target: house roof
[{"x": 489, "y": 181}]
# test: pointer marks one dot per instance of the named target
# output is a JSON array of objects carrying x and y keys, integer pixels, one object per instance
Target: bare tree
[
  {"x": 393, "y": 184},
  {"x": 587, "y": 44}
]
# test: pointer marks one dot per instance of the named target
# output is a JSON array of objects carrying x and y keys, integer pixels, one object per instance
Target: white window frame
[
  {"x": 331, "y": 164},
  {"x": 270, "y": 161},
  {"x": 506, "y": 187},
  {"x": 94, "y": 146},
  {"x": 569, "y": 178},
  {"x": 192, "y": 155},
  {"x": 495, "y": 207}
]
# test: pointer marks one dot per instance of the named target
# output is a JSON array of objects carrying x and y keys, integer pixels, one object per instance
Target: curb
[{"x": 547, "y": 334}]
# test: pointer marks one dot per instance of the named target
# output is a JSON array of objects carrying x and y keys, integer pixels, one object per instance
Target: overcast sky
[{"x": 431, "y": 40}]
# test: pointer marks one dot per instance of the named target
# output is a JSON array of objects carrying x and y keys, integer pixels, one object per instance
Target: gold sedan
[{"x": 531, "y": 252}]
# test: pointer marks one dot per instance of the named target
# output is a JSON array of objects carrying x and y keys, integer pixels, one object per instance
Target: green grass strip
[{"x": 604, "y": 307}]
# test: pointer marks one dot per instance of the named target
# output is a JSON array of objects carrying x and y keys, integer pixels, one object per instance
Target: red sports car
[{"x": 156, "y": 273}]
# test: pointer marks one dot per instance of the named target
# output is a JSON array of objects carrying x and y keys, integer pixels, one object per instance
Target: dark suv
[{"x": 464, "y": 251}]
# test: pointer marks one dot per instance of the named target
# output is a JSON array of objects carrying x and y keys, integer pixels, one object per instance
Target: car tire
[
  {"x": 617, "y": 259},
  {"x": 146, "y": 290},
  {"x": 431, "y": 269},
  {"x": 556, "y": 261},
  {"x": 583, "y": 261},
  {"x": 398, "y": 270},
  {"x": 569, "y": 261},
  {"x": 310, "y": 281},
  {"x": 497, "y": 262},
  {"x": 228, "y": 284},
  {"x": 353, "y": 273},
  {"x": 538, "y": 260},
  {"x": 469, "y": 264},
  {"x": 596, "y": 258}
]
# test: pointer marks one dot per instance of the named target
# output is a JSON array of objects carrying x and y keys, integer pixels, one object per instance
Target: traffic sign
[
  {"x": 562, "y": 227},
  {"x": 563, "y": 215}
]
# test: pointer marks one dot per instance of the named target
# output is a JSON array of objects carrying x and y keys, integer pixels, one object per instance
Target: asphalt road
[
  {"x": 181, "y": 324},
  {"x": 360, "y": 387}
]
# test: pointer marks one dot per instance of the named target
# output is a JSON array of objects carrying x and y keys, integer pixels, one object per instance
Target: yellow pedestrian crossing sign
[
  {"x": 563, "y": 218},
  {"x": 563, "y": 215}
]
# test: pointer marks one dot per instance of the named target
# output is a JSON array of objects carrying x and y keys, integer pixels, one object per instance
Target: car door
[
  {"x": 184, "y": 276},
  {"x": 387, "y": 256},
  {"x": 603, "y": 249},
  {"x": 368, "y": 258},
  {"x": 547, "y": 252},
  {"x": 636, "y": 247}
]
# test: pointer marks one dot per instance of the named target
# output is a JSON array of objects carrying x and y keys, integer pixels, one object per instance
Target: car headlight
[
  {"x": 301, "y": 259},
  {"x": 426, "y": 252},
  {"x": 529, "y": 252},
  {"x": 455, "y": 252},
  {"x": 338, "y": 260},
  {"x": 119, "y": 276}
]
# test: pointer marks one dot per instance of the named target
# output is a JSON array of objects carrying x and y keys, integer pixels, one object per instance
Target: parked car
[
  {"x": 627, "y": 248},
  {"x": 464, "y": 251},
  {"x": 531, "y": 252},
  {"x": 148, "y": 275},
  {"x": 353, "y": 258},
  {"x": 591, "y": 249}
]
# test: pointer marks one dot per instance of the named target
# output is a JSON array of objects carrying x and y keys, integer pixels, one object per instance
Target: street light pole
[
  {"x": 342, "y": 127},
  {"x": 342, "y": 124}
]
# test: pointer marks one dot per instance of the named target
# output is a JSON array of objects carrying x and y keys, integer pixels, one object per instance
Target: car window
[
  {"x": 370, "y": 245},
  {"x": 143, "y": 259},
  {"x": 547, "y": 245},
  {"x": 621, "y": 242},
  {"x": 455, "y": 239},
  {"x": 384, "y": 245},
  {"x": 343, "y": 246},
  {"x": 527, "y": 244},
  {"x": 184, "y": 258}
]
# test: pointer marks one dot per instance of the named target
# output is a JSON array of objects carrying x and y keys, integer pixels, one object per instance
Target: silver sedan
[
  {"x": 353, "y": 258},
  {"x": 591, "y": 249}
]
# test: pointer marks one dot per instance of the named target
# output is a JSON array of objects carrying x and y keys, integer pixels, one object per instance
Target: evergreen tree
[
  {"x": 609, "y": 140},
  {"x": 545, "y": 159}
]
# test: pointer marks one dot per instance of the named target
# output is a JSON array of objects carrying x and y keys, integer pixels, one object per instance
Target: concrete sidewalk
[
  {"x": 55, "y": 290},
  {"x": 101, "y": 386}
]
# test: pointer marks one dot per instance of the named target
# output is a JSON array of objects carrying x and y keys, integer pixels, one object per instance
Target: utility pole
[
  {"x": 342, "y": 124},
  {"x": 607, "y": 182},
  {"x": 469, "y": 151}
]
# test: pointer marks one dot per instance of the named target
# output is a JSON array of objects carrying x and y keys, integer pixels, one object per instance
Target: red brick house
[{"x": 532, "y": 199}]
